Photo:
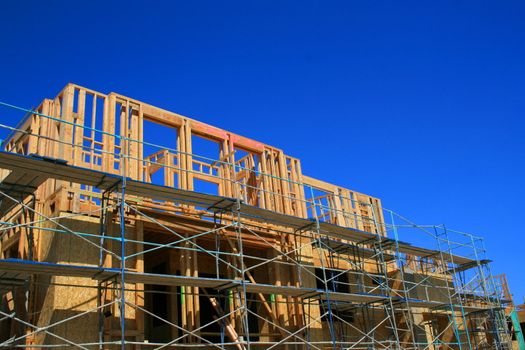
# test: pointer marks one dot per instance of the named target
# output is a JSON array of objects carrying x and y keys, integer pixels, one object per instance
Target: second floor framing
[{"x": 119, "y": 135}]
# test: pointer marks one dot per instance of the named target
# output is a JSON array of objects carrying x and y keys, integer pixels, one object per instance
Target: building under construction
[{"x": 126, "y": 226}]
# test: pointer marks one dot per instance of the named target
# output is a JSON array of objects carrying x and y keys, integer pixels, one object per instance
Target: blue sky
[{"x": 419, "y": 103}]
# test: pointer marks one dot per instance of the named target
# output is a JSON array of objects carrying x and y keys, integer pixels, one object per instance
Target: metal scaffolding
[{"x": 239, "y": 275}]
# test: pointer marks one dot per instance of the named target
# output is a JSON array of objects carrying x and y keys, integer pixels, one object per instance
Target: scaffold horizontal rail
[{"x": 58, "y": 170}]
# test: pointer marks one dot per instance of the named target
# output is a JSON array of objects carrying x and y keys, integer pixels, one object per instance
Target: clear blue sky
[{"x": 417, "y": 102}]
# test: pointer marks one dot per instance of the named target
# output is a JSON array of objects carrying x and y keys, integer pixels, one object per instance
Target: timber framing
[{"x": 117, "y": 232}]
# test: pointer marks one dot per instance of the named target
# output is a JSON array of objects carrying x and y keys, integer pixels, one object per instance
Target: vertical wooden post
[
  {"x": 34, "y": 139},
  {"x": 123, "y": 143},
  {"x": 266, "y": 181},
  {"x": 108, "y": 140},
  {"x": 66, "y": 129},
  {"x": 56, "y": 128},
  {"x": 230, "y": 168},
  {"x": 189, "y": 158},
  {"x": 275, "y": 195},
  {"x": 132, "y": 133},
  {"x": 79, "y": 130},
  {"x": 138, "y": 135},
  {"x": 284, "y": 184}
]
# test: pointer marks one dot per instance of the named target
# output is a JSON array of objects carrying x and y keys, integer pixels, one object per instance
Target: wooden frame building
[{"x": 112, "y": 238}]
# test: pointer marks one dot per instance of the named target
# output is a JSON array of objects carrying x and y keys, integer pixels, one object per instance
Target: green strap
[{"x": 517, "y": 330}]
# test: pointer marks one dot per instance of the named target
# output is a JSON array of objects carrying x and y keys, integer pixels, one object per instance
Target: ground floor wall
[{"x": 86, "y": 310}]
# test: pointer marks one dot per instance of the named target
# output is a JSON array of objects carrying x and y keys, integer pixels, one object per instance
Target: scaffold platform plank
[
  {"x": 17, "y": 186},
  {"x": 280, "y": 290},
  {"x": 266, "y": 215},
  {"x": 440, "y": 306},
  {"x": 353, "y": 297},
  {"x": 50, "y": 168},
  {"x": 15, "y": 272},
  {"x": 351, "y": 250},
  {"x": 468, "y": 265},
  {"x": 355, "y": 235},
  {"x": 347, "y": 233},
  {"x": 20, "y": 269}
]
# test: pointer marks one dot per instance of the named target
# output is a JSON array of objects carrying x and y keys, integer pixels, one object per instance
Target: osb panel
[{"x": 71, "y": 296}]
